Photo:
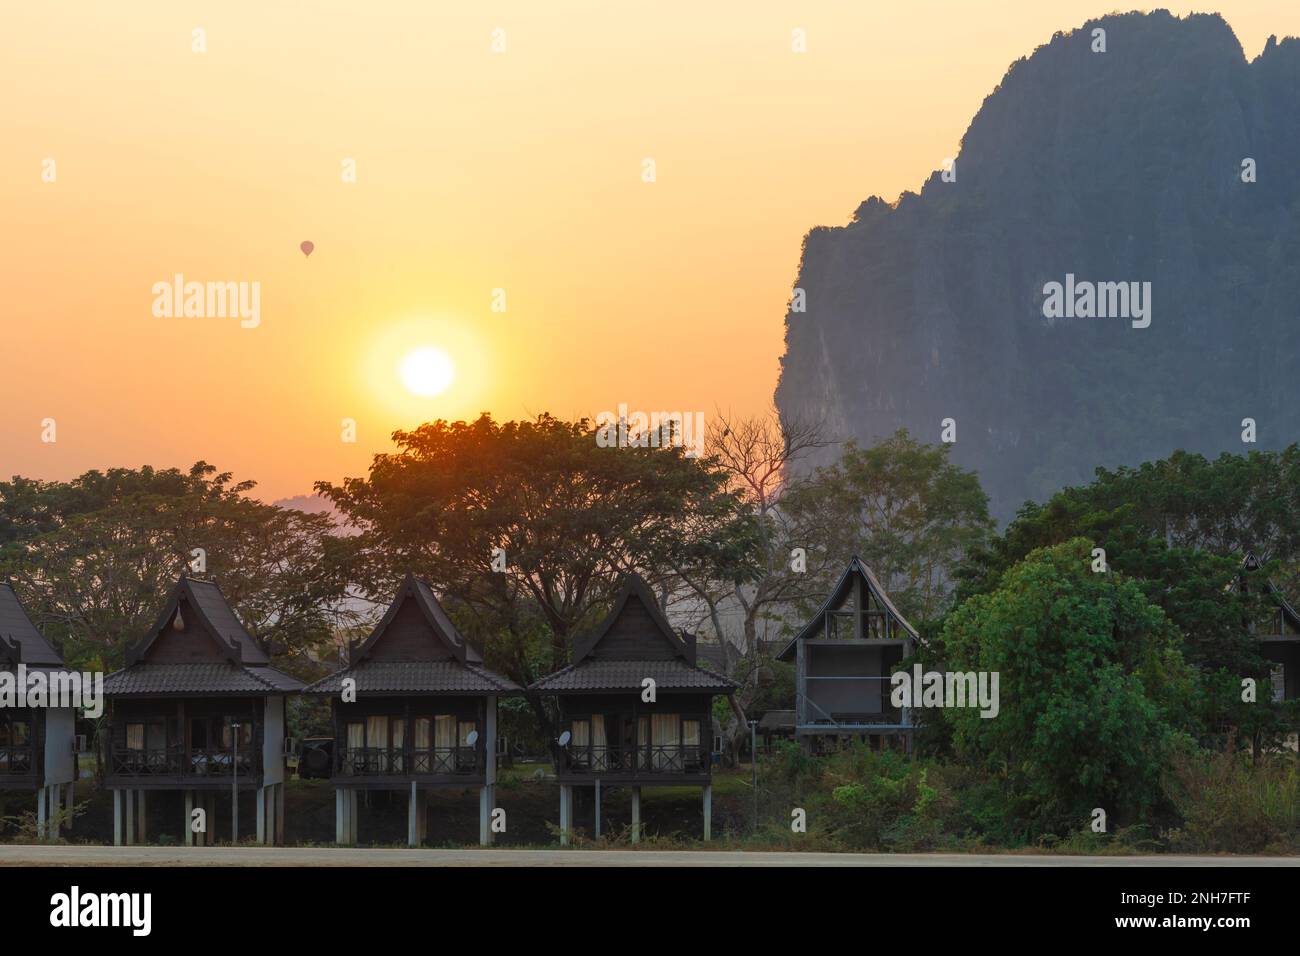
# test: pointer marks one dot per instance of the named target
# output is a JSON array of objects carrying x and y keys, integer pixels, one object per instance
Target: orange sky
[{"x": 475, "y": 171}]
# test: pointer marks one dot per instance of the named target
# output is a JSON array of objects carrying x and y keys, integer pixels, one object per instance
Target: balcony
[
  {"x": 431, "y": 761},
  {"x": 642, "y": 759},
  {"x": 177, "y": 762}
]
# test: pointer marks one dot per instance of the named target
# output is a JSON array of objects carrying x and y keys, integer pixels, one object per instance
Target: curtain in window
[
  {"x": 399, "y": 744},
  {"x": 356, "y": 740},
  {"x": 581, "y": 734},
  {"x": 665, "y": 736},
  {"x": 135, "y": 736},
  {"x": 444, "y": 739},
  {"x": 377, "y": 741}
]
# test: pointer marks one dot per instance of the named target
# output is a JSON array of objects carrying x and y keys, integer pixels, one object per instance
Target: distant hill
[{"x": 1117, "y": 166}]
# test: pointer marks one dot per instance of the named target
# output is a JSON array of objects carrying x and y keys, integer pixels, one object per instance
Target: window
[{"x": 135, "y": 736}]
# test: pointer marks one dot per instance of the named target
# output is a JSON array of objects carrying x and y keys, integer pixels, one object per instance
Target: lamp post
[{"x": 234, "y": 782}]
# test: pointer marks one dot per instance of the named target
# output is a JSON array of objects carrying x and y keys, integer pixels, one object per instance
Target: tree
[
  {"x": 1091, "y": 686},
  {"x": 527, "y": 521},
  {"x": 93, "y": 558},
  {"x": 904, "y": 509}
]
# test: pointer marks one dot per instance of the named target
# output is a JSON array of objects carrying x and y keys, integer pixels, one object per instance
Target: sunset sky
[{"x": 476, "y": 170}]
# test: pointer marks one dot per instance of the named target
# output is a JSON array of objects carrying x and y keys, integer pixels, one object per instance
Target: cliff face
[{"x": 1123, "y": 166}]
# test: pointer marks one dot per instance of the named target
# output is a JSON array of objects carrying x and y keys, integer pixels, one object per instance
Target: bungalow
[
  {"x": 37, "y": 744},
  {"x": 843, "y": 660},
  {"x": 414, "y": 710},
  {"x": 198, "y": 709},
  {"x": 635, "y": 709},
  {"x": 1279, "y": 637}
]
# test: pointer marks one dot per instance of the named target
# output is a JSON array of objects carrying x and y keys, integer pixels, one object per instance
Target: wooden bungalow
[
  {"x": 414, "y": 710},
  {"x": 37, "y": 744},
  {"x": 1279, "y": 637},
  {"x": 843, "y": 660},
  {"x": 635, "y": 709},
  {"x": 198, "y": 709}
]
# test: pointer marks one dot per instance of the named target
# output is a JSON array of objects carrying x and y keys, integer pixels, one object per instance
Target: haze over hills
[{"x": 1123, "y": 166}]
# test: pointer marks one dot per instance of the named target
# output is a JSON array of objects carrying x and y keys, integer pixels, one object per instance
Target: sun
[{"x": 427, "y": 371}]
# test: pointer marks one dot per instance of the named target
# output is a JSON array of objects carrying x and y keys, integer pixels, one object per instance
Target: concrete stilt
[
  {"x": 597, "y": 808},
  {"x": 566, "y": 798},
  {"x": 189, "y": 817},
  {"x": 708, "y": 811},
  {"x": 340, "y": 817},
  {"x": 42, "y": 797},
  {"x": 422, "y": 816},
  {"x": 117, "y": 817},
  {"x": 260, "y": 801},
  {"x": 279, "y": 814},
  {"x": 130, "y": 817},
  {"x": 636, "y": 814}
]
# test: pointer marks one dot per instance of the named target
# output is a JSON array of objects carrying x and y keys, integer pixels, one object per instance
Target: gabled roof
[
  {"x": 1289, "y": 613},
  {"x": 855, "y": 572},
  {"x": 462, "y": 674},
  {"x": 621, "y": 652},
  {"x": 437, "y": 619},
  {"x": 241, "y": 666},
  {"x": 216, "y": 617},
  {"x": 20, "y": 641},
  {"x": 634, "y": 589}
]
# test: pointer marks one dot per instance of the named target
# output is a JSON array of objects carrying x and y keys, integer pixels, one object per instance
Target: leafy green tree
[
  {"x": 904, "y": 509},
  {"x": 1092, "y": 685},
  {"x": 93, "y": 558}
]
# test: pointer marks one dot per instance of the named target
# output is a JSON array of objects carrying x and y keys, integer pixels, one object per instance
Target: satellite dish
[
  {"x": 472, "y": 739},
  {"x": 565, "y": 738}
]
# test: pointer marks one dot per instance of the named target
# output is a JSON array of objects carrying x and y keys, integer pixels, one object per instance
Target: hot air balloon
[{"x": 307, "y": 247}]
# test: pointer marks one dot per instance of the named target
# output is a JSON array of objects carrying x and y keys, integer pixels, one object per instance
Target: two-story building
[
  {"x": 635, "y": 709},
  {"x": 844, "y": 658},
  {"x": 414, "y": 710},
  {"x": 37, "y": 751},
  {"x": 198, "y": 709}
]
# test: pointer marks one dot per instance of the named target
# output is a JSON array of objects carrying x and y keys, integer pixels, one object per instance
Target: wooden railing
[
  {"x": 381, "y": 761},
  {"x": 646, "y": 758},
  {"x": 16, "y": 760},
  {"x": 179, "y": 762}
]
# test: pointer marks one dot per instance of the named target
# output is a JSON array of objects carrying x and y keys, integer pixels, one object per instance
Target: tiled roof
[
  {"x": 149, "y": 680},
  {"x": 417, "y": 677},
  {"x": 16, "y": 626},
  {"x": 594, "y": 675}
]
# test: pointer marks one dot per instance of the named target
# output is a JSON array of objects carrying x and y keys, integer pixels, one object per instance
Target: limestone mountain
[{"x": 1123, "y": 166}]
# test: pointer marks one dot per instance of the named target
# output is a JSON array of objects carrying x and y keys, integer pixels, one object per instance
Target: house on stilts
[
  {"x": 844, "y": 658},
  {"x": 414, "y": 710},
  {"x": 37, "y": 744},
  {"x": 198, "y": 709},
  {"x": 635, "y": 710}
]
